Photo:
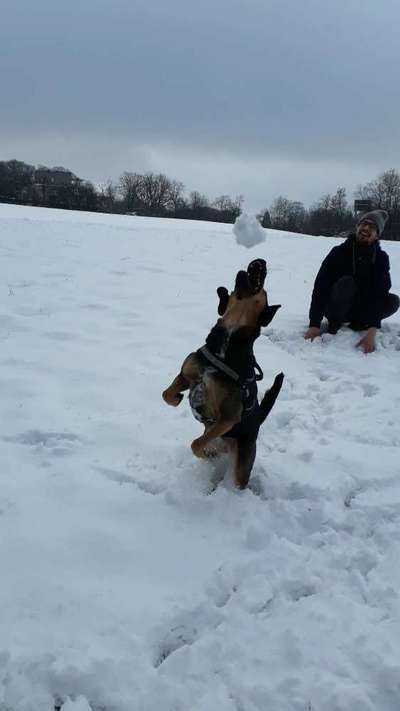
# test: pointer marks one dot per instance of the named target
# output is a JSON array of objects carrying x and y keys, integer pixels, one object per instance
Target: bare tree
[
  {"x": 384, "y": 192},
  {"x": 223, "y": 202},
  {"x": 175, "y": 194},
  {"x": 330, "y": 215},
  {"x": 229, "y": 209},
  {"x": 108, "y": 196},
  {"x": 151, "y": 193},
  {"x": 288, "y": 215},
  {"x": 154, "y": 192},
  {"x": 197, "y": 200},
  {"x": 129, "y": 188}
]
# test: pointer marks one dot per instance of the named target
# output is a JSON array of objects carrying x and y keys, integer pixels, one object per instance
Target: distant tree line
[
  {"x": 147, "y": 194},
  {"x": 157, "y": 195},
  {"x": 333, "y": 215},
  {"x": 330, "y": 215}
]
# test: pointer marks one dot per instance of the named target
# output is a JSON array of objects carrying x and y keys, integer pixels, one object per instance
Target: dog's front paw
[
  {"x": 198, "y": 448},
  {"x": 212, "y": 453}
]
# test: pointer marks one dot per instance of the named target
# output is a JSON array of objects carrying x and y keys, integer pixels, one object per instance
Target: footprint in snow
[
  {"x": 119, "y": 477},
  {"x": 184, "y": 630},
  {"x": 57, "y": 443},
  {"x": 390, "y": 341},
  {"x": 369, "y": 390}
]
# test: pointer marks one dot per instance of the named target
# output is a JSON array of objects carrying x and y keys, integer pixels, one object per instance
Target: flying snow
[{"x": 248, "y": 231}]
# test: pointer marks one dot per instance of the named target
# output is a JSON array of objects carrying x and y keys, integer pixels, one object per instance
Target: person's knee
[
  {"x": 395, "y": 302},
  {"x": 390, "y": 305}
]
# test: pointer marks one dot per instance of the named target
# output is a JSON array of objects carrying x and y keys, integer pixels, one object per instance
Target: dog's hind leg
[
  {"x": 173, "y": 395},
  {"x": 245, "y": 456}
]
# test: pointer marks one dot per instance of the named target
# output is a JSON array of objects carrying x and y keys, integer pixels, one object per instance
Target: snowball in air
[{"x": 248, "y": 231}]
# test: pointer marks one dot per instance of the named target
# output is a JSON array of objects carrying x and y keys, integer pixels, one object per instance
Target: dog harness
[{"x": 248, "y": 385}]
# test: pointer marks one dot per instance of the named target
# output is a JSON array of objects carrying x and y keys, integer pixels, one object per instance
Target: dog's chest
[{"x": 198, "y": 400}]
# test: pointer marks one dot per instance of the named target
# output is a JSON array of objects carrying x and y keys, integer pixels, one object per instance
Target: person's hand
[
  {"x": 367, "y": 342},
  {"x": 311, "y": 333}
]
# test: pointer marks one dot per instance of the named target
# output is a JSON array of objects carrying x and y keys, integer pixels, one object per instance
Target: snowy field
[{"x": 127, "y": 583}]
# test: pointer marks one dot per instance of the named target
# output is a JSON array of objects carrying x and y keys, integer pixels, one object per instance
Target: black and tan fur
[{"x": 218, "y": 398}]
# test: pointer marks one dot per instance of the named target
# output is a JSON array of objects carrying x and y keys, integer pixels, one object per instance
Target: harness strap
[
  {"x": 219, "y": 364},
  {"x": 246, "y": 386}
]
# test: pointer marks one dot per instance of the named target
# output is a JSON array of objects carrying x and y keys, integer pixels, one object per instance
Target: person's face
[{"x": 366, "y": 233}]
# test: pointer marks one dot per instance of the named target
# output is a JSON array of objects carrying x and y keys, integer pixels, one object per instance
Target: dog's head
[{"x": 247, "y": 305}]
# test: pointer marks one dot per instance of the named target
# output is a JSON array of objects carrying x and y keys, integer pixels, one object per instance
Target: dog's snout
[{"x": 256, "y": 272}]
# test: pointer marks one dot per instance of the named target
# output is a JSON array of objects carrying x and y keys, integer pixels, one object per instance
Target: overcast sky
[{"x": 252, "y": 97}]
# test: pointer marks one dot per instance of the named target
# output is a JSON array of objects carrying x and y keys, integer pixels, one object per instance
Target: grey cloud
[{"x": 272, "y": 79}]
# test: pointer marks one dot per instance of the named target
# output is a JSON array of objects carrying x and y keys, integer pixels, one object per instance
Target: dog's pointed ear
[
  {"x": 223, "y": 295},
  {"x": 242, "y": 282},
  {"x": 268, "y": 314}
]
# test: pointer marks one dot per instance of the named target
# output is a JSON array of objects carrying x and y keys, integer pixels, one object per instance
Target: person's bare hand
[
  {"x": 311, "y": 333},
  {"x": 367, "y": 343}
]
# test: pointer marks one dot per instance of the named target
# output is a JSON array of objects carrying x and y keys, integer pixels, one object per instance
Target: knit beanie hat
[{"x": 377, "y": 217}]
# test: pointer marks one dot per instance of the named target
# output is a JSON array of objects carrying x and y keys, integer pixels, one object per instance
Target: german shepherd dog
[{"x": 221, "y": 377}]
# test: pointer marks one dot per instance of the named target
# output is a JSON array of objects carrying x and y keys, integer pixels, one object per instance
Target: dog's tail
[{"x": 269, "y": 398}]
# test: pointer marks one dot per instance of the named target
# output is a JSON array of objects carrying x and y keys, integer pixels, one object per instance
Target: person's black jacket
[{"x": 370, "y": 269}]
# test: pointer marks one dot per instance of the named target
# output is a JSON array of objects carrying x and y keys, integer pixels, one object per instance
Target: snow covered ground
[{"x": 127, "y": 583}]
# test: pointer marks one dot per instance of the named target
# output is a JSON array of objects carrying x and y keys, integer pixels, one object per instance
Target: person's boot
[
  {"x": 333, "y": 327},
  {"x": 357, "y": 326}
]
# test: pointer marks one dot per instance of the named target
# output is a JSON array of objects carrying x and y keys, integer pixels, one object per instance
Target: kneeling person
[{"x": 353, "y": 284}]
